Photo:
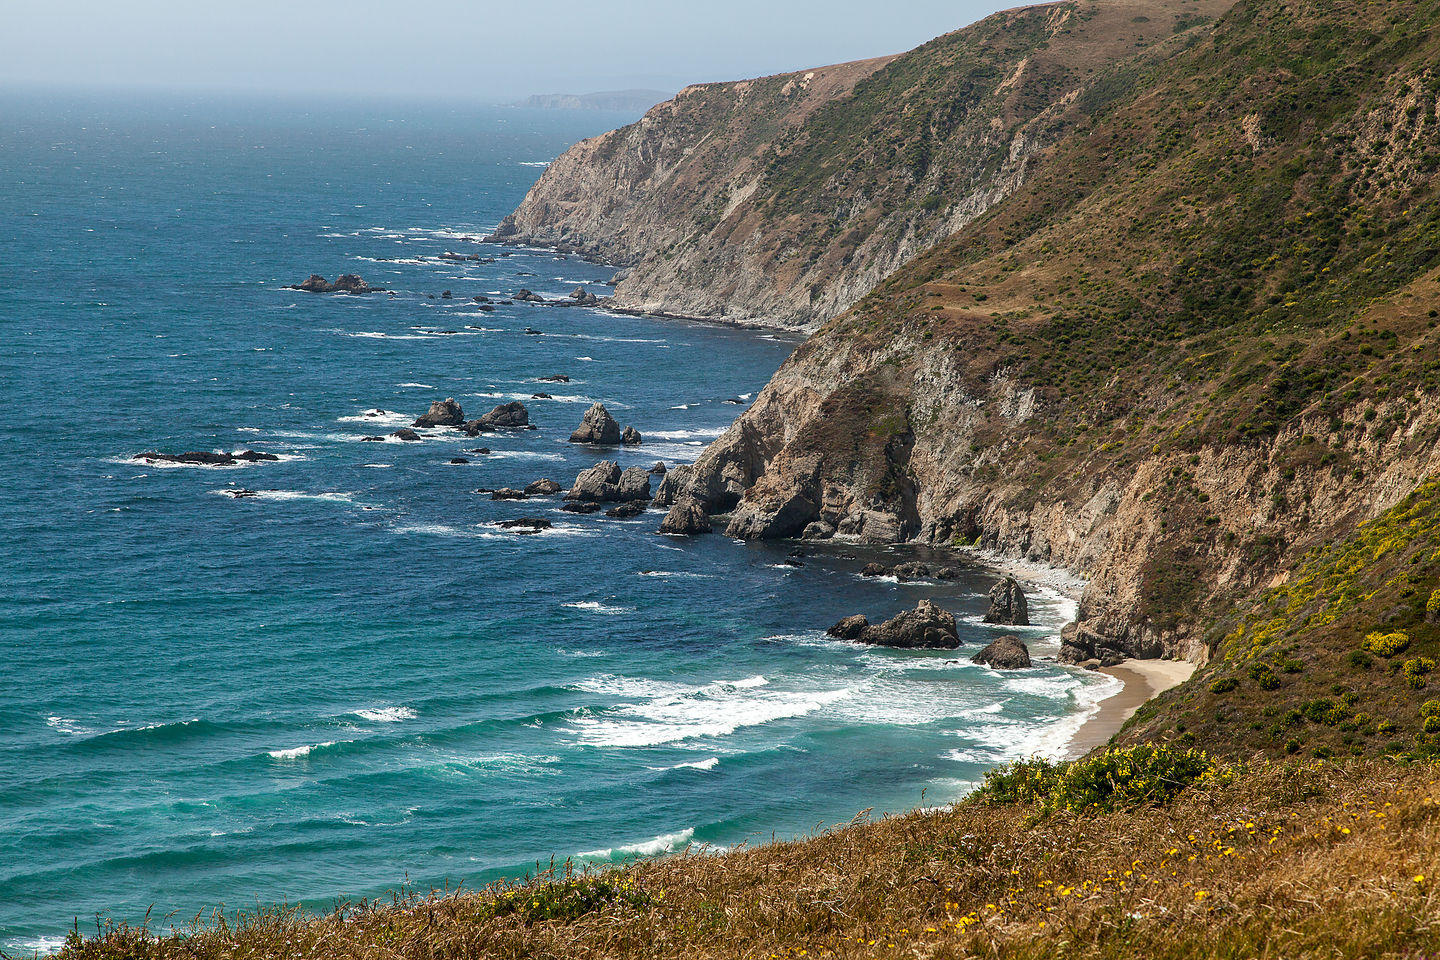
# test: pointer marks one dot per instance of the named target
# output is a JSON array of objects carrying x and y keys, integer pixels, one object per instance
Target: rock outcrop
[
  {"x": 1007, "y": 604},
  {"x": 543, "y": 488},
  {"x": 686, "y": 518},
  {"x": 630, "y": 437},
  {"x": 597, "y": 426},
  {"x": 607, "y": 483},
  {"x": 1006, "y": 653},
  {"x": 927, "y": 627},
  {"x": 442, "y": 413},
  {"x": 507, "y": 416},
  {"x": 345, "y": 283},
  {"x": 206, "y": 458}
]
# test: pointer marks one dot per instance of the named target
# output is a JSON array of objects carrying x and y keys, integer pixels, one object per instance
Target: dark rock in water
[
  {"x": 458, "y": 460},
  {"x": 851, "y": 628},
  {"x": 205, "y": 458},
  {"x": 606, "y": 483},
  {"x": 914, "y": 570},
  {"x": 1007, "y": 604},
  {"x": 597, "y": 426},
  {"x": 598, "y": 484},
  {"x": 507, "y": 416},
  {"x": 451, "y": 255},
  {"x": 735, "y": 400},
  {"x": 485, "y": 308},
  {"x": 372, "y": 439},
  {"x": 927, "y": 627},
  {"x": 508, "y": 493},
  {"x": 442, "y": 413},
  {"x": 584, "y": 297},
  {"x": 793, "y": 562},
  {"x": 630, "y": 437},
  {"x": 797, "y": 552},
  {"x": 525, "y": 296},
  {"x": 818, "y": 530},
  {"x": 483, "y": 451},
  {"x": 686, "y": 518},
  {"x": 554, "y": 378},
  {"x": 582, "y": 507},
  {"x": 947, "y": 573},
  {"x": 531, "y": 331},
  {"x": 659, "y": 469},
  {"x": 543, "y": 488},
  {"x": 406, "y": 434},
  {"x": 526, "y": 524},
  {"x": 445, "y": 295},
  {"x": 541, "y": 396},
  {"x": 875, "y": 570},
  {"x": 240, "y": 494},
  {"x": 635, "y": 484},
  {"x": 675, "y": 485},
  {"x": 626, "y": 510},
  {"x": 1006, "y": 653},
  {"x": 481, "y": 299},
  {"x": 346, "y": 283}
]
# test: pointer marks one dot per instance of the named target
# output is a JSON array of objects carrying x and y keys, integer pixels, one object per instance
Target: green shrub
[
  {"x": 1119, "y": 777},
  {"x": 1386, "y": 644},
  {"x": 1433, "y": 604},
  {"x": 1387, "y": 726},
  {"x": 1416, "y": 669},
  {"x": 1431, "y": 725},
  {"x": 566, "y": 899},
  {"x": 1430, "y": 708},
  {"x": 1224, "y": 685},
  {"x": 1360, "y": 660},
  {"x": 1264, "y": 676}
]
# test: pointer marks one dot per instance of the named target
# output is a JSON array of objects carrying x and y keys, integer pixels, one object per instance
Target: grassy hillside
[
  {"x": 1307, "y": 860},
  {"x": 784, "y": 199}
]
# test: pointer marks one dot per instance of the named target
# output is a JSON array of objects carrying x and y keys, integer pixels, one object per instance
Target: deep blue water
[{"x": 355, "y": 677}]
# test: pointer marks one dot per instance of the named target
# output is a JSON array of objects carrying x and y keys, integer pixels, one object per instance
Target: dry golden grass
[{"x": 1313, "y": 860}]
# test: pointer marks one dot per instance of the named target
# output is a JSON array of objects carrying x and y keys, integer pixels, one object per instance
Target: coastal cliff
[
  {"x": 1194, "y": 344},
  {"x": 783, "y": 200}
]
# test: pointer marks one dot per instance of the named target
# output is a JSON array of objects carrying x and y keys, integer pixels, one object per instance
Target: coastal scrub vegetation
[{"x": 1293, "y": 859}]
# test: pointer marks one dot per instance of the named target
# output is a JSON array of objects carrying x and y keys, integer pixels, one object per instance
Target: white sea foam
[
  {"x": 522, "y": 455},
  {"x": 594, "y": 607},
  {"x": 44, "y": 946},
  {"x": 380, "y": 418},
  {"x": 708, "y": 433},
  {"x": 664, "y": 843},
  {"x": 386, "y": 714},
  {"x": 69, "y": 727},
  {"x": 535, "y": 163},
  {"x": 676, "y": 575},
  {"x": 670, "y": 714},
  {"x": 378, "y": 466},
  {"x": 588, "y": 359},
  {"x": 286, "y": 496},
  {"x": 416, "y": 386},
  {"x": 297, "y": 753},
  {"x": 377, "y": 335},
  {"x": 708, "y": 764}
]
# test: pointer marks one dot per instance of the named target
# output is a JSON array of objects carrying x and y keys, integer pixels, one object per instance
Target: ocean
[{"x": 354, "y": 679}]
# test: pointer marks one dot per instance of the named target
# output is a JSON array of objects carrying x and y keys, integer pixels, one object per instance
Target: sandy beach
[{"x": 1142, "y": 680}]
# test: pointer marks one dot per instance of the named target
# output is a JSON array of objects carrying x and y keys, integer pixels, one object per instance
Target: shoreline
[{"x": 1141, "y": 681}]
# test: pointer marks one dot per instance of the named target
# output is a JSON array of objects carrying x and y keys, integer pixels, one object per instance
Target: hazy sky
[{"x": 488, "y": 51}]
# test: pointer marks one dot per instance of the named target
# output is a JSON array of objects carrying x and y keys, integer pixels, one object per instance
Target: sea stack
[{"x": 1007, "y": 604}]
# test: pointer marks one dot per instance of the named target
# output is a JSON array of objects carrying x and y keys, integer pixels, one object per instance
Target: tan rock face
[{"x": 783, "y": 200}]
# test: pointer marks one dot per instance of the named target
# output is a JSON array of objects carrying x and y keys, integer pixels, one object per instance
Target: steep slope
[
  {"x": 1197, "y": 343},
  {"x": 785, "y": 199}
]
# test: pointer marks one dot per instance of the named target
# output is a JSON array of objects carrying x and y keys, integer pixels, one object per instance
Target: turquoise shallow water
[{"x": 355, "y": 677}]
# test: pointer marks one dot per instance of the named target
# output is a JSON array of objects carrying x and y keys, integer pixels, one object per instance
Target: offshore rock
[
  {"x": 406, "y": 434},
  {"x": 851, "y": 628},
  {"x": 1006, "y": 653},
  {"x": 626, "y": 510},
  {"x": 442, "y": 413},
  {"x": 686, "y": 518},
  {"x": 927, "y": 627},
  {"x": 345, "y": 283},
  {"x": 606, "y": 483},
  {"x": 507, "y": 416},
  {"x": 1007, "y": 604},
  {"x": 630, "y": 437},
  {"x": 543, "y": 488},
  {"x": 597, "y": 426}
]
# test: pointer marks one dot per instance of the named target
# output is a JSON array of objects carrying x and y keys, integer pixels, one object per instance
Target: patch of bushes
[
  {"x": 1224, "y": 685},
  {"x": 1119, "y": 777},
  {"x": 1386, "y": 644},
  {"x": 1263, "y": 676},
  {"x": 567, "y": 899}
]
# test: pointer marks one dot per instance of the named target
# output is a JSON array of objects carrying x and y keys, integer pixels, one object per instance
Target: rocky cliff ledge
[
  {"x": 784, "y": 200},
  {"x": 1199, "y": 341}
]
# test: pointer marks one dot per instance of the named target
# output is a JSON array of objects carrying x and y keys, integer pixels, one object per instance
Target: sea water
[{"x": 355, "y": 679}]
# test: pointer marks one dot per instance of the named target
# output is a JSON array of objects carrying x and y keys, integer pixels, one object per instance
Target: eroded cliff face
[
  {"x": 1202, "y": 339},
  {"x": 784, "y": 200}
]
